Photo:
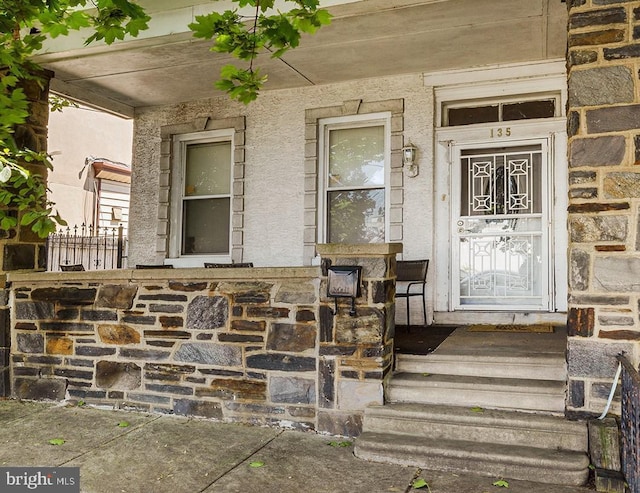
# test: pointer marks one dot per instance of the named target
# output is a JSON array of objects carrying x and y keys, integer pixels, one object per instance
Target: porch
[{"x": 265, "y": 346}]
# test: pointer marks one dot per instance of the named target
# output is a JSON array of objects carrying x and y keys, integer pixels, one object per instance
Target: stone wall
[
  {"x": 20, "y": 248},
  {"x": 604, "y": 195},
  {"x": 250, "y": 345},
  {"x": 5, "y": 338}
]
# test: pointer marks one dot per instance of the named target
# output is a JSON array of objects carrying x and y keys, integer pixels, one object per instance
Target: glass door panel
[{"x": 500, "y": 233}]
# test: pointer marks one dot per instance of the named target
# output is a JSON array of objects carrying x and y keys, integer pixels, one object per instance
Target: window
[
  {"x": 469, "y": 113},
  {"x": 355, "y": 156},
  {"x": 201, "y": 195}
]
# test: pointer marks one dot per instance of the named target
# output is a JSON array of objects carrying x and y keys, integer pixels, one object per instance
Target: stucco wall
[
  {"x": 74, "y": 135},
  {"x": 274, "y": 165}
]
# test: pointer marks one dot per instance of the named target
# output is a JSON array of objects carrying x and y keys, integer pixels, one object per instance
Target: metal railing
[
  {"x": 630, "y": 424},
  {"x": 86, "y": 248}
]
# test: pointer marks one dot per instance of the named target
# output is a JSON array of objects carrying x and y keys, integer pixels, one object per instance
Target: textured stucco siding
[{"x": 274, "y": 166}]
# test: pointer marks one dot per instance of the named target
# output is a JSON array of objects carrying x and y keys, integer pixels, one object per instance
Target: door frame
[{"x": 554, "y": 129}]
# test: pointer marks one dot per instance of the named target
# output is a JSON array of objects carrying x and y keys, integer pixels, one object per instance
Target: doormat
[{"x": 541, "y": 328}]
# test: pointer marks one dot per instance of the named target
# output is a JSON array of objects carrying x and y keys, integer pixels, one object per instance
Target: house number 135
[{"x": 500, "y": 132}]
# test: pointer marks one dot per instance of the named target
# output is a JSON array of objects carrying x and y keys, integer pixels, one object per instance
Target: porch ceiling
[{"x": 367, "y": 38}]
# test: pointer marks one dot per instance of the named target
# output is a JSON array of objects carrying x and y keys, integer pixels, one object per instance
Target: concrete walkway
[{"x": 122, "y": 452}]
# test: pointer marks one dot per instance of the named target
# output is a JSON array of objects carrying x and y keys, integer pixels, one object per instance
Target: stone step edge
[
  {"x": 459, "y": 367},
  {"x": 554, "y": 406},
  {"x": 572, "y": 470},
  {"x": 532, "y": 359},
  {"x": 537, "y": 439},
  {"x": 471, "y": 382},
  {"x": 464, "y": 416},
  {"x": 508, "y": 455}
]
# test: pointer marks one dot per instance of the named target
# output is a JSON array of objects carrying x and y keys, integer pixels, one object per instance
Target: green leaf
[
  {"x": 477, "y": 409},
  {"x": 344, "y": 443},
  {"x": 124, "y": 424},
  {"x": 420, "y": 483},
  {"x": 57, "y": 441},
  {"x": 426, "y": 374},
  {"x": 256, "y": 464},
  {"x": 501, "y": 483},
  {"x": 77, "y": 19}
]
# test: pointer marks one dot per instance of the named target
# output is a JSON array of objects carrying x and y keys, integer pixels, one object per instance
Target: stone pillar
[
  {"x": 5, "y": 338},
  {"x": 356, "y": 352},
  {"x": 20, "y": 248},
  {"x": 604, "y": 195}
]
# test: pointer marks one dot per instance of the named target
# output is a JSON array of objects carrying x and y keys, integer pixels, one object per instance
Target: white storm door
[{"x": 500, "y": 231}]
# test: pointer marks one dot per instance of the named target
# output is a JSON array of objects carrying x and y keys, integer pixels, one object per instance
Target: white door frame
[{"x": 555, "y": 130}]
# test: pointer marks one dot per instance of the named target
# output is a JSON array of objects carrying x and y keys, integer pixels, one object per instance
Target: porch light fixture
[
  {"x": 409, "y": 152},
  {"x": 344, "y": 282}
]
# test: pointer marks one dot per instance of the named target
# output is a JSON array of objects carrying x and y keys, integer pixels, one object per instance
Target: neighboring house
[
  {"x": 86, "y": 189},
  {"x": 523, "y": 191}
]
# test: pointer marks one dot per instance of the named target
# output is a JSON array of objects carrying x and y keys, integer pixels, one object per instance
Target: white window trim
[
  {"x": 353, "y": 121},
  {"x": 180, "y": 143}
]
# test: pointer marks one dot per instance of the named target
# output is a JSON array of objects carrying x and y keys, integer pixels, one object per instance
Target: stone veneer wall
[
  {"x": 20, "y": 248},
  {"x": 251, "y": 345},
  {"x": 604, "y": 195}
]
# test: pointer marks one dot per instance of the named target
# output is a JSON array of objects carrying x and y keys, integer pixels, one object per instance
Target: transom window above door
[
  {"x": 355, "y": 177},
  {"x": 468, "y": 113}
]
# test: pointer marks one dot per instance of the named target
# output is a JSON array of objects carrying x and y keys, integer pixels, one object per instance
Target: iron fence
[
  {"x": 86, "y": 248},
  {"x": 630, "y": 424}
]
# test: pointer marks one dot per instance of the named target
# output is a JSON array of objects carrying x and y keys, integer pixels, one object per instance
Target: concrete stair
[
  {"x": 485, "y": 392},
  {"x": 479, "y": 406},
  {"x": 523, "y": 379},
  {"x": 543, "y": 366},
  {"x": 495, "y": 443}
]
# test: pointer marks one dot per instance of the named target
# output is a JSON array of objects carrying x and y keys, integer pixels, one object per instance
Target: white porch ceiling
[{"x": 367, "y": 38}]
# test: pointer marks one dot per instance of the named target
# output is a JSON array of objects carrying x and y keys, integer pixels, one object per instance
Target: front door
[{"x": 500, "y": 232}]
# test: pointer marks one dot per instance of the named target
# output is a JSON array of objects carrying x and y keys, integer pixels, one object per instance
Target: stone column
[
  {"x": 604, "y": 195},
  {"x": 356, "y": 352},
  {"x": 21, "y": 249}
]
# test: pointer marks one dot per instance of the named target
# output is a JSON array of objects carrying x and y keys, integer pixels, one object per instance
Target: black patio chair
[
  {"x": 72, "y": 268},
  {"x": 414, "y": 273}
]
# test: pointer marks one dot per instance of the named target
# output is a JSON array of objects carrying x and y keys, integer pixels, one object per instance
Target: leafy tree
[
  {"x": 26, "y": 24},
  {"x": 246, "y": 36}
]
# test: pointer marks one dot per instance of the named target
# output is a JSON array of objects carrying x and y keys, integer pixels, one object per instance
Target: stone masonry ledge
[
  {"x": 190, "y": 274},
  {"x": 361, "y": 250}
]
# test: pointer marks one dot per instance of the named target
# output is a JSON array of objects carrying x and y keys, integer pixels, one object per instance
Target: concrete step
[
  {"x": 489, "y": 426},
  {"x": 472, "y": 391},
  {"x": 529, "y": 366},
  {"x": 495, "y": 460}
]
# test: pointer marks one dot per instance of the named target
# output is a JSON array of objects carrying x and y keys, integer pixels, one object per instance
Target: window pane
[
  {"x": 529, "y": 109},
  {"x": 206, "y": 226},
  {"x": 208, "y": 169},
  {"x": 476, "y": 114},
  {"x": 501, "y": 181},
  {"x": 356, "y": 216},
  {"x": 356, "y": 157}
]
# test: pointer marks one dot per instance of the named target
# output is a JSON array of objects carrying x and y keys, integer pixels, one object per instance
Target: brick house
[{"x": 523, "y": 191}]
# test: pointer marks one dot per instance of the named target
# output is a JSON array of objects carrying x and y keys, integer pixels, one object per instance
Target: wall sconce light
[
  {"x": 409, "y": 153},
  {"x": 344, "y": 282}
]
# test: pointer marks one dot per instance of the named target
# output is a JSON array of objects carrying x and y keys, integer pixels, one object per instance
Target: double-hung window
[
  {"x": 201, "y": 195},
  {"x": 355, "y": 179}
]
